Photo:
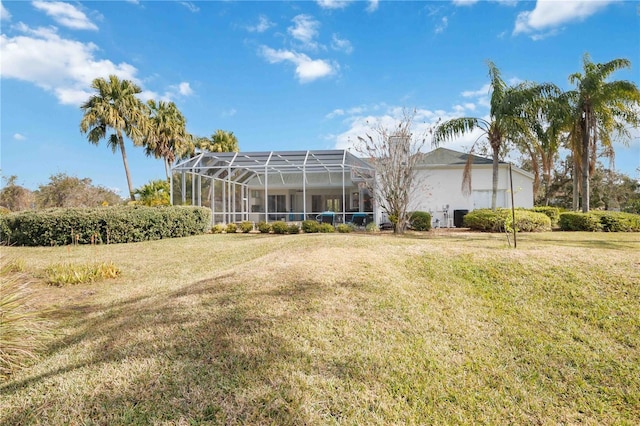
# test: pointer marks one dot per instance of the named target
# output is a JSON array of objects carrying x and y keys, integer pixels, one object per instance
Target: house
[
  {"x": 300, "y": 185},
  {"x": 439, "y": 185}
]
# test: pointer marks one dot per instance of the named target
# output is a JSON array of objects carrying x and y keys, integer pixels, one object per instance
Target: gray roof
[
  {"x": 242, "y": 166},
  {"x": 449, "y": 157}
]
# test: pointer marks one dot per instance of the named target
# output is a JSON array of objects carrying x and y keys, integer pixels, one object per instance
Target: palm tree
[
  {"x": 221, "y": 141},
  {"x": 550, "y": 125},
  {"x": 506, "y": 123},
  {"x": 167, "y": 135},
  {"x": 600, "y": 109},
  {"x": 114, "y": 107}
]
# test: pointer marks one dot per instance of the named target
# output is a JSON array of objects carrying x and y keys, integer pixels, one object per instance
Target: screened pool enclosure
[{"x": 278, "y": 185}]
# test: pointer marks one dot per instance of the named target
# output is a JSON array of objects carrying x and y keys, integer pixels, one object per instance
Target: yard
[{"x": 439, "y": 328}]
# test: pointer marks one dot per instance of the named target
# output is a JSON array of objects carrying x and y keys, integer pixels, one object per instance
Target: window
[{"x": 277, "y": 203}]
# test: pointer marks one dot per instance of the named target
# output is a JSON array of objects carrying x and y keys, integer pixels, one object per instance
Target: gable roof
[{"x": 449, "y": 157}]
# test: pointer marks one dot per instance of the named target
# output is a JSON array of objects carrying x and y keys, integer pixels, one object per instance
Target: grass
[
  {"x": 60, "y": 274},
  {"x": 436, "y": 328}
]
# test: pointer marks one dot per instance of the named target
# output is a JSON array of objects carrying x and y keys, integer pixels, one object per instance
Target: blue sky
[{"x": 283, "y": 75}]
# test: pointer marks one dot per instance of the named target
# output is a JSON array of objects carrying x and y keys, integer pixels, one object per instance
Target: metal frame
[{"x": 244, "y": 171}]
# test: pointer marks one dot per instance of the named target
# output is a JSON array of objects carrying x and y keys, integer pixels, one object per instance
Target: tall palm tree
[
  {"x": 506, "y": 123},
  {"x": 221, "y": 141},
  {"x": 550, "y": 121},
  {"x": 114, "y": 106},
  {"x": 601, "y": 108},
  {"x": 167, "y": 136}
]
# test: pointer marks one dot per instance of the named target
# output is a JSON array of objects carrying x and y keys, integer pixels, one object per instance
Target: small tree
[
  {"x": 15, "y": 197},
  {"x": 154, "y": 193},
  {"x": 394, "y": 154}
]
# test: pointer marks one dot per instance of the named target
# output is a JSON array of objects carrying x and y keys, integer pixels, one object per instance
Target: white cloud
[
  {"x": 442, "y": 25},
  {"x": 484, "y": 91},
  {"x": 373, "y": 6},
  {"x": 305, "y": 30},
  {"x": 61, "y": 66},
  {"x": 464, "y": 2},
  {"x": 307, "y": 69},
  {"x": 342, "y": 45},
  {"x": 263, "y": 25},
  {"x": 192, "y": 7},
  {"x": 185, "y": 89},
  {"x": 229, "y": 113},
  {"x": 66, "y": 14},
  {"x": 19, "y": 137},
  {"x": 548, "y": 15},
  {"x": 4, "y": 13},
  {"x": 335, "y": 113},
  {"x": 333, "y": 4}
]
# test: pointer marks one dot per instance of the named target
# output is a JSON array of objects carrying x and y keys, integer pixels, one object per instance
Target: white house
[
  {"x": 439, "y": 185},
  {"x": 299, "y": 185}
]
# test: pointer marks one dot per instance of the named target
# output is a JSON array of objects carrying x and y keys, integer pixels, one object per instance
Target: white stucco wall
[{"x": 441, "y": 186}]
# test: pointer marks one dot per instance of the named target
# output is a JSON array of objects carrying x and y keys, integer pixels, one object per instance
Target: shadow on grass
[{"x": 209, "y": 352}]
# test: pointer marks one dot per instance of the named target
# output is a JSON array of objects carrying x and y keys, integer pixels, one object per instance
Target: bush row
[
  {"x": 102, "y": 225},
  {"x": 600, "y": 221},
  {"x": 487, "y": 220}
]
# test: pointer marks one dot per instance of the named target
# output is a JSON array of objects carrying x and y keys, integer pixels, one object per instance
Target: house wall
[{"x": 439, "y": 187}]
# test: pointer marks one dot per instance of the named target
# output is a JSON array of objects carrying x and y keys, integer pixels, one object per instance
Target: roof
[
  {"x": 449, "y": 157},
  {"x": 241, "y": 166}
]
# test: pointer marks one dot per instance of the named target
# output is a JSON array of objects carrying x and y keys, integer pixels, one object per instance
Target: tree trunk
[
  {"x": 575, "y": 176},
  {"x": 167, "y": 168},
  {"x": 585, "y": 163},
  {"x": 126, "y": 167},
  {"x": 494, "y": 185}
]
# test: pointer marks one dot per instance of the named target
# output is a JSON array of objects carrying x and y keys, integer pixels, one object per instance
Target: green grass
[{"x": 435, "y": 328}]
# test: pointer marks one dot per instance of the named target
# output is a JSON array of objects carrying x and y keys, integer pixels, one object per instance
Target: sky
[{"x": 292, "y": 75}]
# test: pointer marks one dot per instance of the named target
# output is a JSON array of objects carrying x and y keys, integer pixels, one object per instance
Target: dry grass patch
[{"x": 342, "y": 329}]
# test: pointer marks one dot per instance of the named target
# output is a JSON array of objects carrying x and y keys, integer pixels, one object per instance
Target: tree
[
  {"x": 15, "y": 197},
  {"x": 71, "y": 191},
  {"x": 154, "y": 193},
  {"x": 600, "y": 109},
  {"x": 506, "y": 123},
  {"x": 115, "y": 107},
  {"x": 221, "y": 141},
  {"x": 166, "y": 136},
  {"x": 550, "y": 122},
  {"x": 394, "y": 154}
]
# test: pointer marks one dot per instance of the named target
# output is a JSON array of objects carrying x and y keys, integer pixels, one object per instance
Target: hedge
[
  {"x": 117, "y": 224},
  {"x": 552, "y": 212},
  {"x": 487, "y": 220},
  {"x": 600, "y": 221},
  {"x": 420, "y": 221}
]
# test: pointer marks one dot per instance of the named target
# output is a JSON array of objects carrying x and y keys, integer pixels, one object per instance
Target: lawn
[{"x": 439, "y": 328}]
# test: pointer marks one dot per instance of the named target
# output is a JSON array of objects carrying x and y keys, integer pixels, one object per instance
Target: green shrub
[
  {"x": 372, "y": 227},
  {"x": 326, "y": 228},
  {"x": 279, "y": 227},
  {"x": 600, "y": 221},
  {"x": 484, "y": 220},
  {"x": 420, "y": 221},
  {"x": 487, "y": 220},
  {"x": 310, "y": 226},
  {"x": 218, "y": 228},
  {"x": 61, "y": 274},
  {"x": 552, "y": 212},
  {"x": 246, "y": 227},
  {"x": 231, "y": 228},
  {"x": 526, "y": 221},
  {"x": 574, "y": 221},
  {"x": 23, "y": 330},
  {"x": 344, "y": 228},
  {"x": 293, "y": 229},
  {"x": 264, "y": 227},
  {"x": 117, "y": 224}
]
